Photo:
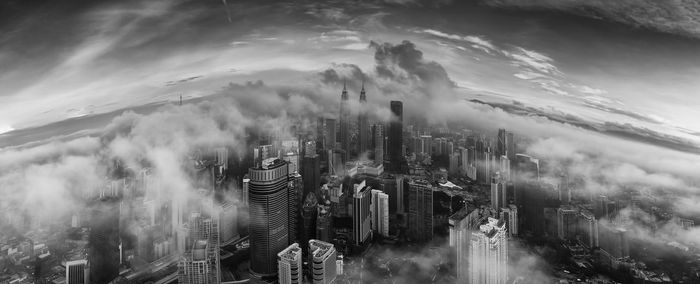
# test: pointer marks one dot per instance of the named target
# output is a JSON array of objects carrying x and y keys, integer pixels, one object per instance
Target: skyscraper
[
  {"x": 197, "y": 266},
  {"x": 78, "y": 271},
  {"x": 509, "y": 215},
  {"x": 420, "y": 210},
  {"x": 309, "y": 213},
  {"x": 363, "y": 124},
  {"x": 311, "y": 169},
  {"x": 323, "y": 261},
  {"x": 330, "y": 133},
  {"x": 269, "y": 220},
  {"x": 378, "y": 135},
  {"x": 294, "y": 198},
  {"x": 361, "y": 215},
  {"x": 289, "y": 267},
  {"x": 488, "y": 254},
  {"x": 380, "y": 212},
  {"x": 395, "y": 147},
  {"x": 460, "y": 235},
  {"x": 104, "y": 241},
  {"x": 499, "y": 196},
  {"x": 344, "y": 119}
]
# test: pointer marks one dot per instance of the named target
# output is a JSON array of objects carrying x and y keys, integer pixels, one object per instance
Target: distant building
[
  {"x": 420, "y": 210},
  {"x": 289, "y": 265},
  {"x": 380, "y": 212},
  {"x": 323, "y": 261},
  {"x": 499, "y": 194},
  {"x": 509, "y": 215},
  {"x": 344, "y": 119},
  {"x": 489, "y": 253},
  {"x": 567, "y": 222},
  {"x": 104, "y": 241},
  {"x": 324, "y": 225},
  {"x": 395, "y": 147},
  {"x": 294, "y": 195},
  {"x": 378, "y": 135},
  {"x": 588, "y": 226},
  {"x": 311, "y": 170},
  {"x": 309, "y": 213},
  {"x": 361, "y": 216},
  {"x": 363, "y": 125},
  {"x": 197, "y": 266}
]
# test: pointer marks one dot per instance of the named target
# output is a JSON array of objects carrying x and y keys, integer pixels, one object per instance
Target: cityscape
[{"x": 374, "y": 159}]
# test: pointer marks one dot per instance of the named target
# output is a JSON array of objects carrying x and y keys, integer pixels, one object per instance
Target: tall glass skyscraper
[
  {"x": 269, "y": 220},
  {"x": 395, "y": 145}
]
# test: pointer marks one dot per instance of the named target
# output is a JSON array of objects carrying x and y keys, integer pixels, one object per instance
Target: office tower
[
  {"x": 245, "y": 189},
  {"x": 504, "y": 168},
  {"x": 509, "y": 215},
  {"x": 527, "y": 167},
  {"x": 205, "y": 235},
  {"x": 289, "y": 267},
  {"x": 460, "y": 236},
  {"x": 489, "y": 253},
  {"x": 510, "y": 146},
  {"x": 344, "y": 120},
  {"x": 323, "y": 261},
  {"x": 78, "y": 271},
  {"x": 269, "y": 220},
  {"x": 395, "y": 147},
  {"x": 567, "y": 222},
  {"x": 454, "y": 164},
  {"x": 361, "y": 219},
  {"x": 420, "y": 210},
  {"x": 228, "y": 216},
  {"x": 362, "y": 124},
  {"x": 198, "y": 265},
  {"x": 588, "y": 226},
  {"x": 308, "y": 216},
  {"x": 324, "y": 226},
  {"x": 378, "y": 135},
  {"x": 614, "y": 242},
  {"x": 104, "y": 241},
  {"x": 564, "y": 189},
  {"x": 263, "y": 152},
  {"x": 380, "y": 212},
  {"x": 320, "y": 134},
  {"x": 290, "y": 152},
  {"x": 499, "y": 198},
  {"x": 330, "y": 134},
  {"x": 294, "y": 198},
  {"x": 311, "y": 169},
  {"x": 400, "y": 189}
]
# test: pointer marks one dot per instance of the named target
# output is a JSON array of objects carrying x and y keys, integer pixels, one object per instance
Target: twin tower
[{"x": 363, "y": 134}]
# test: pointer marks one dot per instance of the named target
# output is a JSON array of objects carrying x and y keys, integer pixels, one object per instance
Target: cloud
[
  {"x": 403, "y": 61},
  {"x": 678, "y": 17}
]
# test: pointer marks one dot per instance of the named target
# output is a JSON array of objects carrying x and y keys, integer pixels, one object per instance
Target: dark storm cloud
[
  {"x": 403, "y": 61},
  {"x": 678, "y": 17}
]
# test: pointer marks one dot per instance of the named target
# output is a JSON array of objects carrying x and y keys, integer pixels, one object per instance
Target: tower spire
[{"x": 363, "y": 95}]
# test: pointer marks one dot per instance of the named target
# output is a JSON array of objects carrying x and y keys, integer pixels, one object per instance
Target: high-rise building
[
  {"x": 400, "y": 182},
  {"x": 104, "y": 241},
  {"x": 420, "y": 210},
  {"x": 588, "y": 226},
  {"x": 228, "y": 217},
  {"x": 289, "y": 267},
  {"x": 378, "y": 135},
  {"x": 197, "y": 266},
  {"x": 78, "y": 271},
  {"x": 454, "y": 164},
  {"x": 361, "y": 215},
  {"x": 363, "y": 124},
  {"x": 460, "y": 236},
  {"x": 489, "y": 253},
  {"x": 395, "y": 147},
  {"x": 504, "y": 168},
  {"x": 567, "y": 222},
  {"x": 324, "y": 226},
  {"x": 344, "y": 119},
  {"x": 323, "y": 261},
  {"x": 309, "y": 214},
  {"x": 269, "y": 220},
  {"x": 510, "y": 216},
  {"x": 330, "y": 134},
  {"x": 311, "y": 170},
  {"x": 614, "y": 242},
  {"x": 294, "y": 198},
  {"x": 499, "y": 198},
  {"x": 380, "y": 212},
  {"x": 245, "y": 190}
]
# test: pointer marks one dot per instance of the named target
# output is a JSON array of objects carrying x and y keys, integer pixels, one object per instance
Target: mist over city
[{"x": 377, "y": 141}]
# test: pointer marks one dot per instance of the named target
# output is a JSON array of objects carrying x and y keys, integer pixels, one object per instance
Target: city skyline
[{"x": 323, "y": 142}]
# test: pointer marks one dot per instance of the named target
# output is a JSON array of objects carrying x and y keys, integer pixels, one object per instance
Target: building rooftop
[
  {"x": 322, "y": 247},
  {"x": 290, "y": 253}
]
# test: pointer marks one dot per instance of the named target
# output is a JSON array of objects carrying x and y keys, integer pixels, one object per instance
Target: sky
[
  {"x": 606, "y": 89},
  {"x": 581, "y": 58}
]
